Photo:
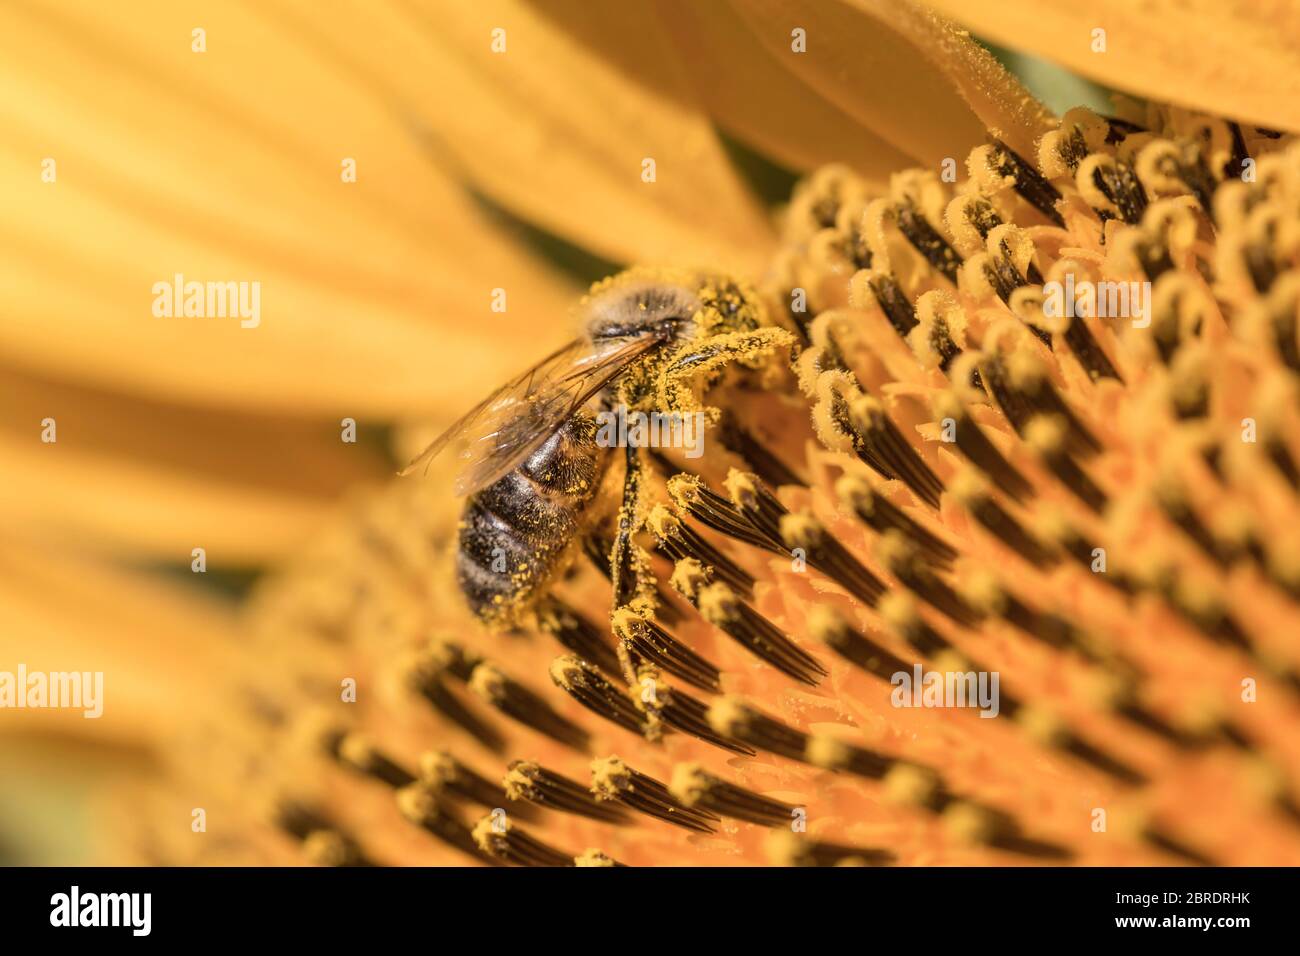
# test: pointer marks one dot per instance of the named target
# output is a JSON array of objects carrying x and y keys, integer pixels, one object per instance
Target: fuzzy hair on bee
[{"x": 537, "y": 478}]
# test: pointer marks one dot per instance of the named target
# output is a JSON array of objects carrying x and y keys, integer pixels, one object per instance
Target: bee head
[{"x": 678, "y": 306}]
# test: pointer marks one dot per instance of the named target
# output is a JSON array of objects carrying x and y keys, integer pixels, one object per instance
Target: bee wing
[{"x": 496, "y": 435}]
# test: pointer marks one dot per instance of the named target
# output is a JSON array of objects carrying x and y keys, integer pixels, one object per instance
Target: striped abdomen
[{"x": 515, "y": 532}]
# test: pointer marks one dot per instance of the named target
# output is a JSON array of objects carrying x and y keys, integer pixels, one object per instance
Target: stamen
[
  {"x": 881, "y": 515},
  {"x": 887, "y": 444},
  {"x": 904, "y": 562},
  {"x": 971, "y": 218},
  {"x": 940, "y": 332},
  {"x": 1127, "y": 707},
  {"x": 836, "y": 430},
  {"x": 982, "y": 453},
  {"x": 874, "y": 287},
  {"x": 898, "y": 609},
  {"x": 526, "y": 780},
  {"x": 516, "y": 701},
  {"x": 357, "y": 752},
  {"x": 650, "y": 642},
  {"x": 612, "y": 779},
  {"x": 1081, "y": 132},
  {"x": 825, "y": 343},
  {"x": 682, "y": 712},
  {"x": 709, "y": 508},
  {"x": 323, "y": 844},
  {"x": 420, "y": 806},
  {"x": 1165, "y": 167},
  {"x": 734, "y": 718},
  {"x": 678, "y": 540},
  {"x": 1010, "y": 266},
  {"x": 720, "y": 606},
  {"x": 825, "y": 554},
  {"x": 1162, "y": 840},
  {"x": 829, "y": 627},
  {"x": 498, "y": 837},
  {"x": 1173, "y": 503},
  {"x": 1083, "y": 550},
  {"x": 426, "y": 679},
  {"x": 441, "y": 772},
  {"x": 831, "y": 753},
  {"x": 927, "y": 240},
  {"x": 977, "y": 824},
  {"x": 577, "y": 634},
  {"x": 1046, "y": 730},
  {"x": 1088, "y": 351},
  {"x": 1280, "y": 311},
  {"x": 1018, "y": 383},
  {"x": 1117, "y": 182},
  {"x": 448, "y": 656},
  {"x": 1281, "y": 457},
  {"x": 731, "y": 715},
  {"x": 1202, "y": 609},
  {"x": 592, "y": 857},
  {"x": 1048, "y": 436},
  {"x": 752, "y": 500},
  {"x": 695, "y": 787},
  {"x": 969, "y": 491},
  {"x": 584, "y": 684},
  {"x": 787, "y": 849},
  {"x": 985, "y": 592},
  {"x": 333, "y": 849},
  {"x": 1027, "y": 181}
]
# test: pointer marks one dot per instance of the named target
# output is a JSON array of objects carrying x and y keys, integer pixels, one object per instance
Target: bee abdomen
[{"x": 515, "y": 532}]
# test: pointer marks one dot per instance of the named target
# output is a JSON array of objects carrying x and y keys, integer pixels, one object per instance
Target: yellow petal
[
  {"x": 909, "y": 77},
  {"x": 228, "y": 166},
  {"x": 165, "y": 654},
  {"x": 754, "y": 96},
  {"x": 151, "y": 481},
  {"x": 1238, "y": 60},
  {"x": 550, "y": 130}
]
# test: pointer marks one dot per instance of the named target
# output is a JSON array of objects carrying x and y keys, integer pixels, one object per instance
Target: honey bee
[{"x": 532, "y": 465}]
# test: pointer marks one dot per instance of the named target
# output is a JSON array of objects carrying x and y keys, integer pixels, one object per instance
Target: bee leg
[
  {"x": 629, "y": 564},
  {"x": 676, "y": 389}
]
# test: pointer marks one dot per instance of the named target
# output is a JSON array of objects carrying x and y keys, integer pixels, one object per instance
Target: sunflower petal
[
  {"x": 1237, "y": 60},
  {"x": 752, "y": 95},
  {"x": 228, "y": 165},
  {"x": 908, "y": 76},
  {"x": 552, "y": 131},
  {"x": 164, "y": 652},
  {"x": 152, "y": 481}
]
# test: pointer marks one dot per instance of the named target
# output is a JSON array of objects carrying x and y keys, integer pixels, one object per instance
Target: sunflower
[{"x": 968, "y": 466}]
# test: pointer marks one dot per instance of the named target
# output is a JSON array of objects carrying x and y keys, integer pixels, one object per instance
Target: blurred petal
[
  {"x": 1237, "y": 60},
  {"x": 906, "y": 75},
  {"x": 752, "y": 94},
  {"x": 154, "y": 481},
  {"x": 552, "y": 131},
  {"x": 226, "y": 166},
  {"x": 164, "y": 652}
]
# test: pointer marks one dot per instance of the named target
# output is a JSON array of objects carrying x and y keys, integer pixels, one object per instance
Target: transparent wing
[{"x": 496, "y": 435}]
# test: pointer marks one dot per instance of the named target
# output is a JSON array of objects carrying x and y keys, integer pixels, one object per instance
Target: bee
[{"x": 532, "y": 466}]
